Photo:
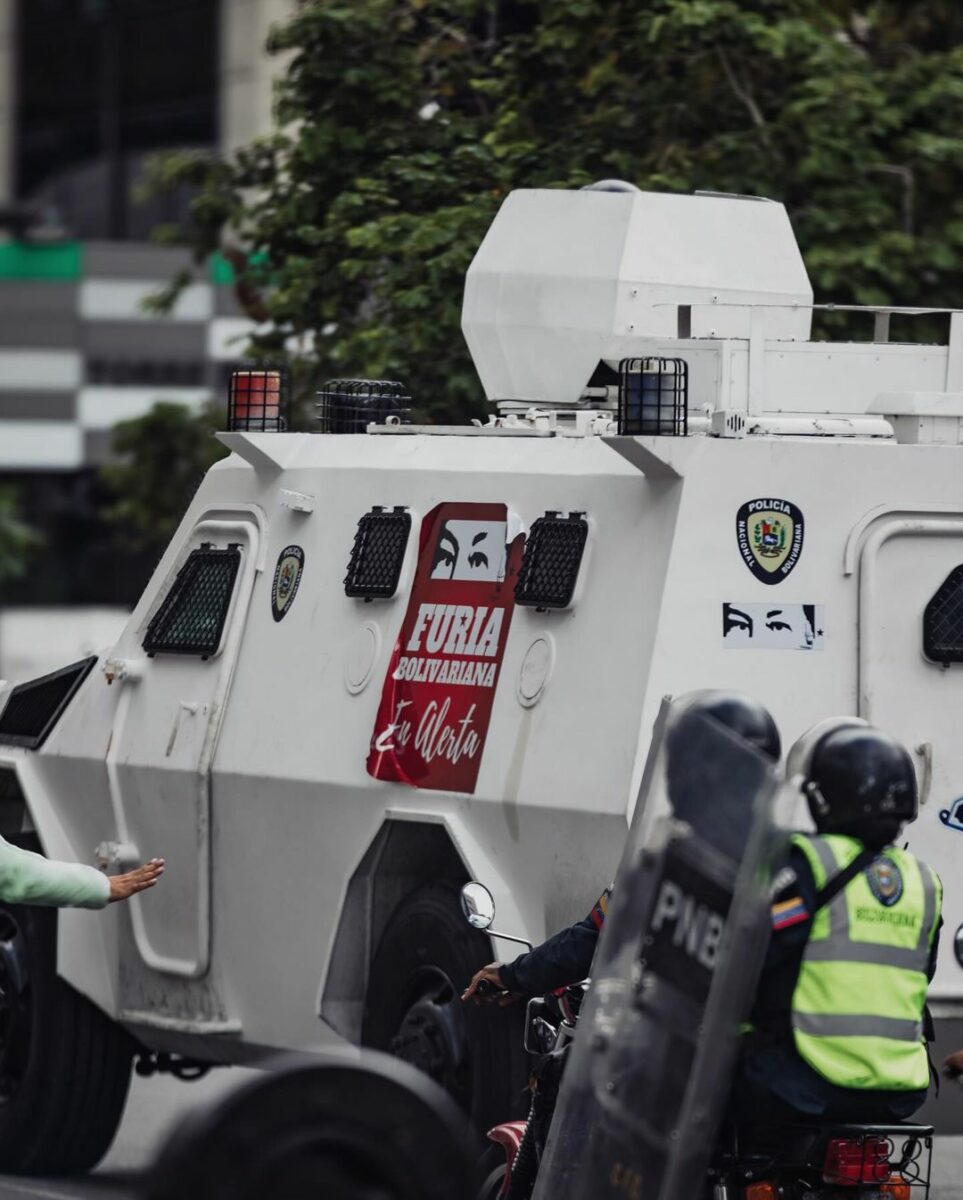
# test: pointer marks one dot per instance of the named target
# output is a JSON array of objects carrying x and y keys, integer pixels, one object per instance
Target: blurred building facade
[{"x": 89, "y": 89}]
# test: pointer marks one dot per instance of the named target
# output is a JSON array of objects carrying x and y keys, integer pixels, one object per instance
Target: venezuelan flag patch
[
  {"x": 789, "y": 912},
  {"x": 601, "y": 909}
]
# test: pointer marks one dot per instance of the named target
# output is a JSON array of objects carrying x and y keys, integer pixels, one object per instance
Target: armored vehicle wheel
[
  {"x": 414, "y": 1008},
  {"x": 64, "y": 1066}
]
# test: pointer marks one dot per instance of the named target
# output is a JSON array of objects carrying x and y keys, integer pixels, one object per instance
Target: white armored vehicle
[{"x": 380, "y": 660}]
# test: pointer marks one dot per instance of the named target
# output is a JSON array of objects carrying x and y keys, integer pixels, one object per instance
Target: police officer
[
  {"x": 838, "y": 1024},
  {"x": 567, "y": 956}
]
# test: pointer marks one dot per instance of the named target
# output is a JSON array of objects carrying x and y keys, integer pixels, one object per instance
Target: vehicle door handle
[
  {"x": 186, "y": 706},
  {"x": 116, "y": 854}
]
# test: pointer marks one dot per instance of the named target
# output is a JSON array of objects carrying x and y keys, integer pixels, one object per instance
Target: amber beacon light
[{"x": 258, "y": 401}]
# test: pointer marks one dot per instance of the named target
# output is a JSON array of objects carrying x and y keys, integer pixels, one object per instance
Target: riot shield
[{"x": 674, "y": 976}]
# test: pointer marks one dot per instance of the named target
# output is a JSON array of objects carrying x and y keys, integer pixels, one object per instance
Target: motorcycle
[
  {"x": 550, "y": 1024},
  {"x": 804, "y": 1161},
  {"x": 509, "y": 1166}
]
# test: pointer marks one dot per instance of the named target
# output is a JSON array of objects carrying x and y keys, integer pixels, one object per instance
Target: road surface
[{"x": 155, "y": 1105}]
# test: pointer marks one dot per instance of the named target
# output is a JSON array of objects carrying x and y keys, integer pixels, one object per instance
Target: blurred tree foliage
[
  {"x": 161, "y": 459},
  {"x": 405, "y": 123},
  {"x": 17, "y": 539}
]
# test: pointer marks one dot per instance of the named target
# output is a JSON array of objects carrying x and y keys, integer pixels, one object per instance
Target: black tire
[
  {"x": 413, "y": 1008},
  {"x": 491, "y": 1173},
  {"x": 332, "y": 1126},
  {"x": 64, "y": 1066}
]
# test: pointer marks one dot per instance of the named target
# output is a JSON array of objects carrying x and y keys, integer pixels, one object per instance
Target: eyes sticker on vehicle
[
  {"x": 773, "y": 626},
  {"x": 770, "y": 537},
  {"x": 470, "y": 550}
]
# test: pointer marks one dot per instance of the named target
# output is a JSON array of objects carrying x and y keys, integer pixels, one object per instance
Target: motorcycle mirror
[{"x": 477, "y": 905}]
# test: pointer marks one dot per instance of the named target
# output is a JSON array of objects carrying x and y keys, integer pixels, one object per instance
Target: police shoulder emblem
[
  {"x": 287, "y": 576},
  {"x": 885, "y": 881},
  {"x": 770, "y": 537}
]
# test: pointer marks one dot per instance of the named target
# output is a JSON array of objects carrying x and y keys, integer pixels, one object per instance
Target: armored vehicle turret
[{"x": 383, "y": 658}]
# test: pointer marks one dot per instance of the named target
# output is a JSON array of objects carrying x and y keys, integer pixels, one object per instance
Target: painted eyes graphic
[
  {"x": 478, "y": 558},
  {"x": 787, "y": 626},
  {"x": 735, "y": 618},
  {"x": 448, "y": 551},
  {"x": 470, "y": 551}
]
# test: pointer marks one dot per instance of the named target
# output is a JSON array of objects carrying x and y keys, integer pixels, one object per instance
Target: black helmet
[
  {"x": 858, "y": 780},
  {"x": 693, "y": 763},
  {"x": 738, "y": 712}
]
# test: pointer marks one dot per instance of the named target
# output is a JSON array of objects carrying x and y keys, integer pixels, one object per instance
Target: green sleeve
[{"x": 28, "y": 878}]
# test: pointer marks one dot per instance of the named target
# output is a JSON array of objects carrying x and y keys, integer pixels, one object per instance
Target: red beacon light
[{"x": 257, "y": 401}]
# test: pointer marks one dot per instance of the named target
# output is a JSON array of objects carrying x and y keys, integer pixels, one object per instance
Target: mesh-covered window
[
  {"x": 553, "y": 555},
  {"x": 377, "y": 554},
  {"x": 34, "y": 708},
  {"x": 191, "y": 618},
  {"x": 943, "y": 621}
]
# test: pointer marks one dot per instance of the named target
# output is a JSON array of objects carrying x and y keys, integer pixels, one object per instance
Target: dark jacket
[{"x": 563, "y": 959}]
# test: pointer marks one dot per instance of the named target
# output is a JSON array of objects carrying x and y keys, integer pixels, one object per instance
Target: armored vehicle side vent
[
  {"x": 258, "y": 401},
  {"x": 943, "y": 621},
  {"x": 34, "y": 708},
  {"x": 377, "y": 554},
  {"x": 191, "y": 618},
  {"x": 550, "y": 565},
  {"x": 654, "y": 396},
  {"x": 351, "y": 405}
]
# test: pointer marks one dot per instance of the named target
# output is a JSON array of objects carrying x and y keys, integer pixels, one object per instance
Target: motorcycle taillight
[{"x": 853, "y": 1162}]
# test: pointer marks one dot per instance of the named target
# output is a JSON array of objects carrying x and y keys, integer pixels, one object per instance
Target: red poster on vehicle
[{"x": 437, "y": 697}]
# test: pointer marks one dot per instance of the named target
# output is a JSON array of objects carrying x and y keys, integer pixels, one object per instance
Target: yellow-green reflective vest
[{"x": 857, "y": 1011}]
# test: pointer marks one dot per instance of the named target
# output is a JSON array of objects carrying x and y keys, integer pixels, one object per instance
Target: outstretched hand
[
  {"x": 487, "y": 987},
  {"x": 122, "y": 887},
  {"x": 953, "y": 1065}
]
